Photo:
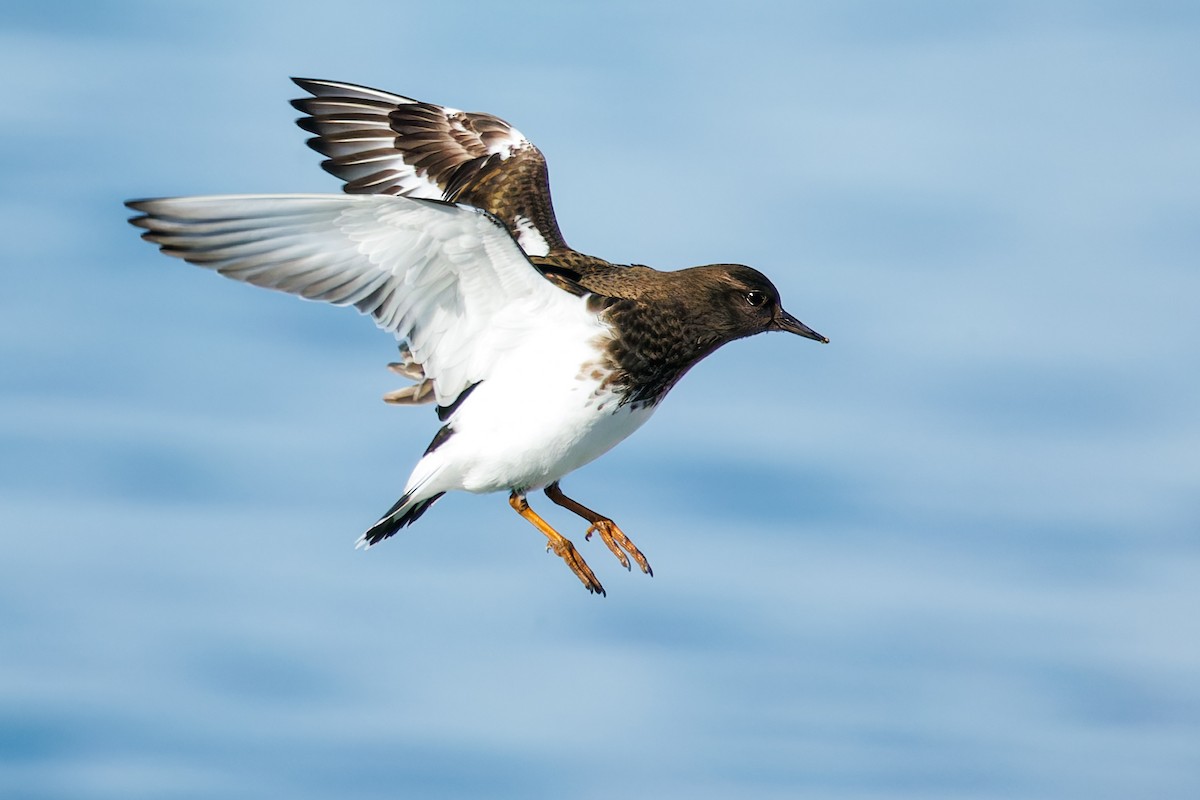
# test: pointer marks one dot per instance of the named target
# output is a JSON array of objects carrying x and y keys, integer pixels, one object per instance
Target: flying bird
[{"x": 539, "y": 358}]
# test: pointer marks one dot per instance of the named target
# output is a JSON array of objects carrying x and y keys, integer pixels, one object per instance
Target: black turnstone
[{"x": 539, "y": 358}]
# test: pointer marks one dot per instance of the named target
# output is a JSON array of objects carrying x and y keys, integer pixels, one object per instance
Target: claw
[
  {"x": 608, "y": 540},
  {"x": 567, "y": 552},
  {"x": 616, "y": 540},
  {"x": 560, "y": 544}
]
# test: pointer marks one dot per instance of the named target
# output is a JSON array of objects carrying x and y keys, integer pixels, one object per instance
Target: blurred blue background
[{"x": 954, "y": 553}]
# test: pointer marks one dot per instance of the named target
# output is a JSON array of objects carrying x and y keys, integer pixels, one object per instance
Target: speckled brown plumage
[
  {"x": 666, "y": 321},
  {"x": 467, "y": 157},
  {"x": 659, "y": 324}
]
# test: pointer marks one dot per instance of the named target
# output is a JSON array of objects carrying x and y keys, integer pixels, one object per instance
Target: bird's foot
[
  {"x": 619, "y": 544},
  {"x": 567, "y": 552}
]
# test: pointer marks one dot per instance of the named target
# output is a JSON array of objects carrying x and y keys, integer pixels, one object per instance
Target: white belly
[
  {"x": 538, "y": 441},
  {"x": 537, "y": 417}
]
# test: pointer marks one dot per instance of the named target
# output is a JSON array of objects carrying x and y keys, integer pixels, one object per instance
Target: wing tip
[
  {"x": 144, "y": 208},
  {"x": 320, "y": 87},
  {"x": 311, "y": 85}
]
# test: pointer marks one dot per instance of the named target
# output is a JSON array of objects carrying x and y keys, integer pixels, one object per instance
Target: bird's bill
[{"x": 786, "y": 322}]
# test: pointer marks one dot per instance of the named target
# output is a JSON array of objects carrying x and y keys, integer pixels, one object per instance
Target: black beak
[{"x": 786, "y": 322}]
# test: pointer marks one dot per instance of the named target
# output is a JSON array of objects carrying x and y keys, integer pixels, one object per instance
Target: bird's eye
[{"x": 756, "y": 299}]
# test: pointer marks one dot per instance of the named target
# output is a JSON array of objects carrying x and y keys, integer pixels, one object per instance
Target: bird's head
[{"x": 740, "y": 301}]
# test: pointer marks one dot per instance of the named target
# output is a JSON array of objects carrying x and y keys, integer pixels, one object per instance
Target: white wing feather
[{"x": 448, "y": 279}]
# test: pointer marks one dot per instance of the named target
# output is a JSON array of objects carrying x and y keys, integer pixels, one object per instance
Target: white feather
[
  {"x": 453, "y": 283},
  {"x": 448, "y": 279}
]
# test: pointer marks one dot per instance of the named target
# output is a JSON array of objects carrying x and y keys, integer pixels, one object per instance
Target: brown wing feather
[{"x": 381, "y": 143}]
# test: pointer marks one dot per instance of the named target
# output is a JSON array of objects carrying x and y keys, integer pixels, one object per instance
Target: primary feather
[{"x": 446, "y": 278}]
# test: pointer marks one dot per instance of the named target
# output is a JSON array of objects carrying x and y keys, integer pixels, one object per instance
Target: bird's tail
[{"x": 404, "y": 513}]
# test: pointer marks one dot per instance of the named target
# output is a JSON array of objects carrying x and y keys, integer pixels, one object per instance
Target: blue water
[{"x": 955, "y": 553}]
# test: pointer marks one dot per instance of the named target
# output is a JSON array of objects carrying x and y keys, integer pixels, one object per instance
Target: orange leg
[
  {"x": 613, "y": 536},
  {"x": 558, "y": 543}
]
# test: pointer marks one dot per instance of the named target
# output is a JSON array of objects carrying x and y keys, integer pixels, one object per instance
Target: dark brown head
[
  {"x": 739, "y": 301},
  {"x": 669, "y": 321}
]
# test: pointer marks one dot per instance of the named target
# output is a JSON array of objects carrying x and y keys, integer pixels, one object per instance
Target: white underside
[
  {"x": 539, "y": 415},
  {"x": 452, "y": 283}
]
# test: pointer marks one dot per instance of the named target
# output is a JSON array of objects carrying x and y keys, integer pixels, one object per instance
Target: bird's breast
[{"x": 543, "y": 412}]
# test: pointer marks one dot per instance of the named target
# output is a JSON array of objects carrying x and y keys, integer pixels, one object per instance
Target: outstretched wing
[
  {"x": 446, "y": 278},
  {"x": 382, "y": 143}
]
